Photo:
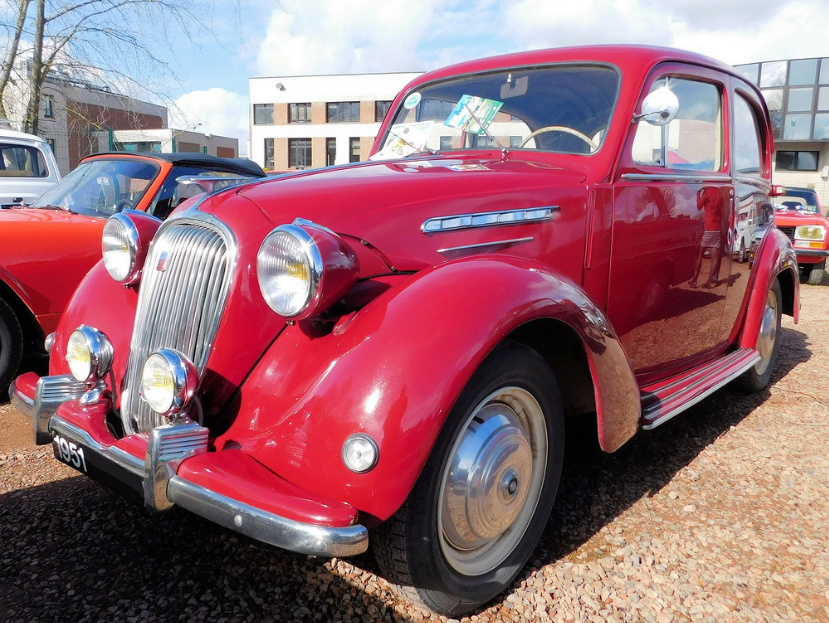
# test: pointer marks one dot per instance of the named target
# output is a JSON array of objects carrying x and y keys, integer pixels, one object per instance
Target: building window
[
  {"x": 330, "y": 151},
  {"x": 51, "y": 143},
  {"x": 354, "y": 150},
  {"x": 48, "y": 107},
  {"x": 797, "y": 160},
  {"x": 381, "y": 109},
  {"x": 263, "y": 114},
  {"x": 299, "y": 153},
  {"x": 300, "y": 113},
  {"x": 339, "y": 112},
  {"x": 269, "y": 154}
]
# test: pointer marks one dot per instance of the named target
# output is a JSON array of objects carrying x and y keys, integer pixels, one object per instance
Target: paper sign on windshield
[
  {"x": 405, "y": 139},
  {"x": 473, "y": 114}
]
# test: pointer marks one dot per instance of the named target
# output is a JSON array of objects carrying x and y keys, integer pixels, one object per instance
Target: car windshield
[
  {"x": 561, "y": 108},
  {"x": 799, "y": 200},
  {"x": 101, "y": 187}
]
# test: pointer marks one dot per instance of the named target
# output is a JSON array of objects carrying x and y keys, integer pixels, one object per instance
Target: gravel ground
[{"x": 721, "y": 514}]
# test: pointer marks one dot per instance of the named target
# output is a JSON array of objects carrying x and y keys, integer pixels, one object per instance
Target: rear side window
[
  {"x": 21, "y": 161},
  {"x": 746, "y": 138},
  {"x": 693, "y": 140}
]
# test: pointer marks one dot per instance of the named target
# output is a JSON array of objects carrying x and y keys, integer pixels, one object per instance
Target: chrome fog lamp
[
  {"x": 168, "y": 381},
  {"x": 120, "y": 247},
  {"x": 360, "y": 453},
  {"x": 289, "y": 267},
  {"x": 89, "y": 354}
]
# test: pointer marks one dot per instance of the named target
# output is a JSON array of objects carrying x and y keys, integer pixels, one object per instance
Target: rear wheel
[
  {"x": 482, "y": 501},
  {"x": 768, "y": 342},
  {"x": 11, "y": 345},
  {"x": 815, "y": 272}
]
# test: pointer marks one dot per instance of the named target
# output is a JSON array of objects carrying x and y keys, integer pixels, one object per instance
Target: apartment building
[{"x": 302, "y": 122}]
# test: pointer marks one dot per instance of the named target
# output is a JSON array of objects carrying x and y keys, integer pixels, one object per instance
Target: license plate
[{"x": 70, "y": 452}]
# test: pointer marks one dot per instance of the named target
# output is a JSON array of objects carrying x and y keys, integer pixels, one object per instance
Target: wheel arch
[{"x": 33, "y": 335}]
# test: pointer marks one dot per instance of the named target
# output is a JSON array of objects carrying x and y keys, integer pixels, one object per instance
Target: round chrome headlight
[
  {"x": 88, "y": 353},
  {"x": 168, "y": 381},
  {"x": 289, "y": 268},
  {"x": 120, "y": 248}
]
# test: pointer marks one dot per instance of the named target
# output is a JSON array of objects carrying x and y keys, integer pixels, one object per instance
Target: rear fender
[
  {"x": 394, "y": 370},
  {"x": 775, "y": 259}
]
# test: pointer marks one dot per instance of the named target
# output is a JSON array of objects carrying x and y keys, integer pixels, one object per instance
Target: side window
[
  {"x": 20, "y": 161},
  {"x": 693, "y": 139},
  {"x": 746, "y": 138}
]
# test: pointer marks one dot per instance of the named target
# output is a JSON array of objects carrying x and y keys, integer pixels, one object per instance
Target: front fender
[
  {"x": 774, "y": 257},
  {"x": 395, "y": 369}
]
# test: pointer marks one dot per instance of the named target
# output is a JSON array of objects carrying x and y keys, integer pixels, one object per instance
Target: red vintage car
[
  {"x": 384, "y": 353},
  {"x": 799, "y": 216},
  {"x": 51, "y": 244}
]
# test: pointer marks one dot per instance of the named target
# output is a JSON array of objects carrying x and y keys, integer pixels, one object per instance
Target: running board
[{"x": 663, "y": 403}]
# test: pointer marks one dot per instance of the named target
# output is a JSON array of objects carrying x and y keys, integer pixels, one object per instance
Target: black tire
[
  {"x": 815, "y": 272},
  {"x": 743, "y": 254},
  {"x": 758, "y": 377},
  {"x": 413, "y": 549},
  {"x": 11, "y": 346}
]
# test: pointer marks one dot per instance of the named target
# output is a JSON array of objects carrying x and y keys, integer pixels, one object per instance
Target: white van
[{"x": 27, "y": 168}]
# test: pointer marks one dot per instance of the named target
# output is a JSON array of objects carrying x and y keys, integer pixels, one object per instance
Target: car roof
[
  {"x": 20, "y": 136},
  {"x": 242, "y": 165}
]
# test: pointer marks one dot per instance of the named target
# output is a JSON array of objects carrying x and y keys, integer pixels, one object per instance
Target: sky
[{"x": 239, "y": 39}]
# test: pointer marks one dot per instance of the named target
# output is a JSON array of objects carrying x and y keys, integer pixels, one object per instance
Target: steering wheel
[
  {"x": 561, "y": 128},
  {"x": 124, "y": 204}
]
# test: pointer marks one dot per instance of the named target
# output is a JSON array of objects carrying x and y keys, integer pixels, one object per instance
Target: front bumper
[
  {"x": 172, "y": 466},
  {"x": 810, "y": 255}
]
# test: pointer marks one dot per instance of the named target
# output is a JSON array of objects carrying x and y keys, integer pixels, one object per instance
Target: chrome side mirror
[{"x": 659, "y": 107}]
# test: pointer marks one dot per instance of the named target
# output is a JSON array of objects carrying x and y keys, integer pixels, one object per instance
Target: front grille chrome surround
[{"x": 184, "y": 288}]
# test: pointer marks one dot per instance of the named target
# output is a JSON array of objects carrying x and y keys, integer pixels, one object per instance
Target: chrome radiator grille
[
  {"x": 789, "y": 231},
  {"x": 184, "y": 288}
]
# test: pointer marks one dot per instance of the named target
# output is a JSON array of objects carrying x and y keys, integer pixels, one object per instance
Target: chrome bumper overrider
[
  {"x": 50, "y": 393},
  {"x": 154, "y": 479}
]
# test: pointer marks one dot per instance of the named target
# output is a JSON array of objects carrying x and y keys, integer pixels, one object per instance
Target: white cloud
[{"x": 215, "y": 111}]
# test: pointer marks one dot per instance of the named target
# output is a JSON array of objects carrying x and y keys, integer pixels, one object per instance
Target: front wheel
[
  {"x": 482, "y": 501},
  {"x": 768, "y": 342},
  {"x": 11, "y": 345}
]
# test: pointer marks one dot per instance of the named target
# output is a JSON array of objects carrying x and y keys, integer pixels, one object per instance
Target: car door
[{"x": 672, "y": 226}]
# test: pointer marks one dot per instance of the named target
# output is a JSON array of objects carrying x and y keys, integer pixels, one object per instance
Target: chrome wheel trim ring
[
  {"x": 768, "y": 334},
  {"x": 492, "y": 481}
]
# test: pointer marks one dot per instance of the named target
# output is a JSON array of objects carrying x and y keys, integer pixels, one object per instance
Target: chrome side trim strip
[
  {"x": 673, "y": 177},
  {"x": 267, "y": 527},
  {"x": 487, "y": 219},
  {"x": 485, "y": 245},
  {"x": 691, "y": 402}
]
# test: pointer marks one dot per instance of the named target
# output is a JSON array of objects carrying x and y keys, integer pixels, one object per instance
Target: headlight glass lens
[
  {"x": 289, "y": 269},
  {"x": 120, "y": 248},
  {"x": 88, "y": 353},
  {"x": 810, "y": 232},
  {"x": 158, "y": 384},
  {"x": 79, "y": 356}
]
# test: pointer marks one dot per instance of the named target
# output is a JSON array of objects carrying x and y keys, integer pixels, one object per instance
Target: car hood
[
  {"x": 793, "y": 218},
  {"x": 384, "y": 205}
]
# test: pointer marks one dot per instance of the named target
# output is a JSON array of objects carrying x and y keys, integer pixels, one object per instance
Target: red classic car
[
  {"x": 51, "y": 244},
  {"x": 798, "y": 215},
  {"x": 390, "y": 348}
]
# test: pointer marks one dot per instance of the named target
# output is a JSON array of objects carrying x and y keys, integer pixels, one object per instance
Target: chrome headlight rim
[
  {"x": 130, "y": 231},
  {"x": 800, "y": 233},
  {"x": 100, "y": 354},
  {"x": 184, "y": 378},
  {"x": 312, "y": 260}
]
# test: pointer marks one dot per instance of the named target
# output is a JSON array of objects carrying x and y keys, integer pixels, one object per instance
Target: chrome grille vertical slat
[{"x": 179, "y": 307}]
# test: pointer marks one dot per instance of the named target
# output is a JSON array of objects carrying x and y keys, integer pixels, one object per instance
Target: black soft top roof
[{"x": 240, "y": 165}]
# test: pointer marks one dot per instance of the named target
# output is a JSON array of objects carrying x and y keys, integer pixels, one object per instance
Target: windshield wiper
[
  {"x": 52, "y": 206},
  {"x": 412, "y": 145},
  {"x": 486, "y": 131}
]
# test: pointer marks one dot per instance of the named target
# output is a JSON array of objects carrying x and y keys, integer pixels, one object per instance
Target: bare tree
[{"x": 118, "y": 39}]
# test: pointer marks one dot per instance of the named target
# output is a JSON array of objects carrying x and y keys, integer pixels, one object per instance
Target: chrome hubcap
[
  {"x": 768, "y": 333},
  {"x": 492, "y": 481}
]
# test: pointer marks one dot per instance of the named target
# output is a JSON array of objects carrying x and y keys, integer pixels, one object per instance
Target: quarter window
[
  {"x": 693, "y": 140},
  {"x": 746, "y": 138},
  {"x": 21, "y": 161},
  {"x": 343, "y": 112},
  {"x": 299, "y": 153},
  {"x": 263, "y": 114},
  {"x": 300, "y": 113}
]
